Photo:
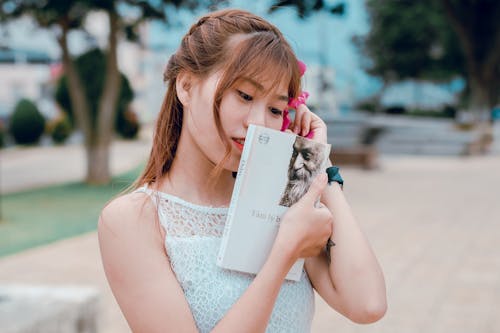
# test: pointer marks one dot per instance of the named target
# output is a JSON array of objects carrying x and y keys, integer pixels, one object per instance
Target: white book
[{"x": 276, "y": 169}]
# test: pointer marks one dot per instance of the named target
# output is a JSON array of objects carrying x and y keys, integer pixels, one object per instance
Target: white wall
[{"x": 24, "y": 80}]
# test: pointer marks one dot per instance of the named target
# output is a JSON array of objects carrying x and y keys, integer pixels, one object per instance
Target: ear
[{"x": 183, "y": 85}]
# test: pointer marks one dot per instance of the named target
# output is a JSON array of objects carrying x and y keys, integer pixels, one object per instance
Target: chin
[
  {"x": 233, "y": 167},
  {"x": 232, "y": 164}
]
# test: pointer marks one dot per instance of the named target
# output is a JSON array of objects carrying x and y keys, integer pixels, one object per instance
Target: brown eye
[
  {"x": 276, "y": 112},
  {"x": 244, "y": 96}
]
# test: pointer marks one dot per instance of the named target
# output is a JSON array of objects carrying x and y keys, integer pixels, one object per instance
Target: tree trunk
[
  {"x": 480, "y": 74},
  {"x": 98, "y": 152},
  {"x": 379, "y": 108},
  {"x": 78, "y": 97},
  {"x": 96, "y": 146},
  {"x": 98, "y": 163},
  {"x": 479, "y": 99},
  {"x": 97, "y": 136},
  {"x": 480, "y": 105}
]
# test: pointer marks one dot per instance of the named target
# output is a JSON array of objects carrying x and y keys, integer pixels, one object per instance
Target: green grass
[{"x": 37, "y": 217}]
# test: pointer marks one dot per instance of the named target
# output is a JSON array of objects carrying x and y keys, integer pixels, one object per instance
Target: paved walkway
[{"x": 433, "y": 222}]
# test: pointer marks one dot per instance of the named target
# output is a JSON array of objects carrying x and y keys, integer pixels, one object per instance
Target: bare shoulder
[
  {"x": 132, "y": 213},
  {"x": 137, "y": 267}
]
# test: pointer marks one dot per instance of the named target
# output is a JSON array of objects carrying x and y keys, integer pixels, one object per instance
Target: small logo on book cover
[{"x": 263, "y": 138}]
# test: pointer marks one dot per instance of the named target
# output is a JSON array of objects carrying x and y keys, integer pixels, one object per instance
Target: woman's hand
[
  {"x": 305, "y": 228},
  {"x": 306, "y": 121}
]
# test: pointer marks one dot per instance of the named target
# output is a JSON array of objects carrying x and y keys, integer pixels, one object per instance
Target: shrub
[
  {"x": 27, "y": 123},
  {"x": 367, "y": 105},
  {"x": 396, "y": 109},
  {"x": 449, "y": 111},
  {"x": 2, "y": 134},
  {"x": 127, "y": 124},
  {"x": 60, "y": 129},
  {"x": 91, "y": 67},
  {"x": 445, "y": 112}
]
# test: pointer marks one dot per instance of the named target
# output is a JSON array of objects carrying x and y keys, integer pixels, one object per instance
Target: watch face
[{"x": 334, "y": 176}]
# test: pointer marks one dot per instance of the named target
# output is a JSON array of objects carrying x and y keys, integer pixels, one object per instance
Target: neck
[{"x": 188, "y": 177}]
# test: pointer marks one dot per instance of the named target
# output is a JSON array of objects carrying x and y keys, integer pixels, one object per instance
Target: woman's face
[{"x": 246, "y": 102}]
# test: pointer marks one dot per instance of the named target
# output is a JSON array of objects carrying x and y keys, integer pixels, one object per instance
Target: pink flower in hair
[
  {"x": 302, "y": 67},
  {"x": 295, "y": 102}
]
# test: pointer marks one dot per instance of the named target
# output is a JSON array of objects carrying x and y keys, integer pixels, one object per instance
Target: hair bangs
[{"x": 262, "y": 57}]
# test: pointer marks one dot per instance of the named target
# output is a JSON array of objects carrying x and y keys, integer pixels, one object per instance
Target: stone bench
[
  {"x": 353, "y": 142},
  {"x": 48, "y": 309}
]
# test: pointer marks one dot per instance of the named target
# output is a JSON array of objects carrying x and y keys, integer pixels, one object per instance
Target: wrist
[
  {"x": 284, "y": 251},
  {"x": 330, "y": 192}
]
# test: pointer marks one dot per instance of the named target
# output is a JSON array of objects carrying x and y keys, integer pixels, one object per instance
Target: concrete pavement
[{"x": 433, "y": 223}]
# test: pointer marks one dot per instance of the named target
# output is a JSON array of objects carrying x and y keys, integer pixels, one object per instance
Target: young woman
[{"x": 159, "y": 243}]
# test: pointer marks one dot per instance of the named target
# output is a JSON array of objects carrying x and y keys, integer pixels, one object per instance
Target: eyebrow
[{"x": 261, "y": 88}]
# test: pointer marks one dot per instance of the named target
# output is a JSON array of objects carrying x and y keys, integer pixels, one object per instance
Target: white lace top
[{"x": 193, "y": 235}]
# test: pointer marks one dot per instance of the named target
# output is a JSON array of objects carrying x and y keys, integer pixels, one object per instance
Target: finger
[
  {"x": 296, "y": 121},
  {"x": 316, "y": 188},
  {"x": 306, "y": 123}
]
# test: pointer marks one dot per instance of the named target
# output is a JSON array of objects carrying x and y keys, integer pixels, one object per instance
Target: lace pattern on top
[
  {"x": 192, "y": 242},
  {"x": 184, "y": 219}
]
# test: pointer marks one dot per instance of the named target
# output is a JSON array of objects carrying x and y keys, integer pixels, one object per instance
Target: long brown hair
[{"x": 263, "y": 52}]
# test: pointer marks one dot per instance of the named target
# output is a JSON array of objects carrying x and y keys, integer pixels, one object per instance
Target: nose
[
  {"x": 256, "y": 116},
  {"x": 299, "y": 162}
]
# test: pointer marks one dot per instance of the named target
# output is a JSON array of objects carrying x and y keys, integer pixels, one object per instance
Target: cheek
[
  {"x": 205, "y": 118},
  {"x": 203, "y": 129},
  {"x": 231, "y": 114},
  {"x": 311, "y": 165},
  {"x": 275, "y": 123},
  {"x": 204, "y": 124}
]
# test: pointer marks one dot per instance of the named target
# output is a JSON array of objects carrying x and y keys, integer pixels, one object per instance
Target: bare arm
[
  {"x": 138, "y": 269},
  {"x": 302, "y": 233},
  {"x": 145, "y": 286},
  {"x": 353, "y": 283}
]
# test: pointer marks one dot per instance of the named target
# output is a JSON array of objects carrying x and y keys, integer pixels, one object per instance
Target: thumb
[{"x": 316, "y": 188}]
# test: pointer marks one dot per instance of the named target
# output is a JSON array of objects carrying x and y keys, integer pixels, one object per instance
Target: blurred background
[{"x": 410, "y": 91}]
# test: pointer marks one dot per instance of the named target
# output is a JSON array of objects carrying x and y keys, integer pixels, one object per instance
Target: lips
[{"x": 239, "y": 143}]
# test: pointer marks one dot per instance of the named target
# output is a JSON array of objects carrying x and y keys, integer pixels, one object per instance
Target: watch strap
[{"x": 334, "y": 176}]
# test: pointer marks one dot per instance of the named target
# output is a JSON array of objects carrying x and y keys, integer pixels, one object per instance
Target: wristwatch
[
  {"x": 328, "y": 246},
  {"x": 334, "y": 176}
]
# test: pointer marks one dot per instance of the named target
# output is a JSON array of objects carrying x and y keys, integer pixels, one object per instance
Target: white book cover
[{"x": 275, "y": 171}]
